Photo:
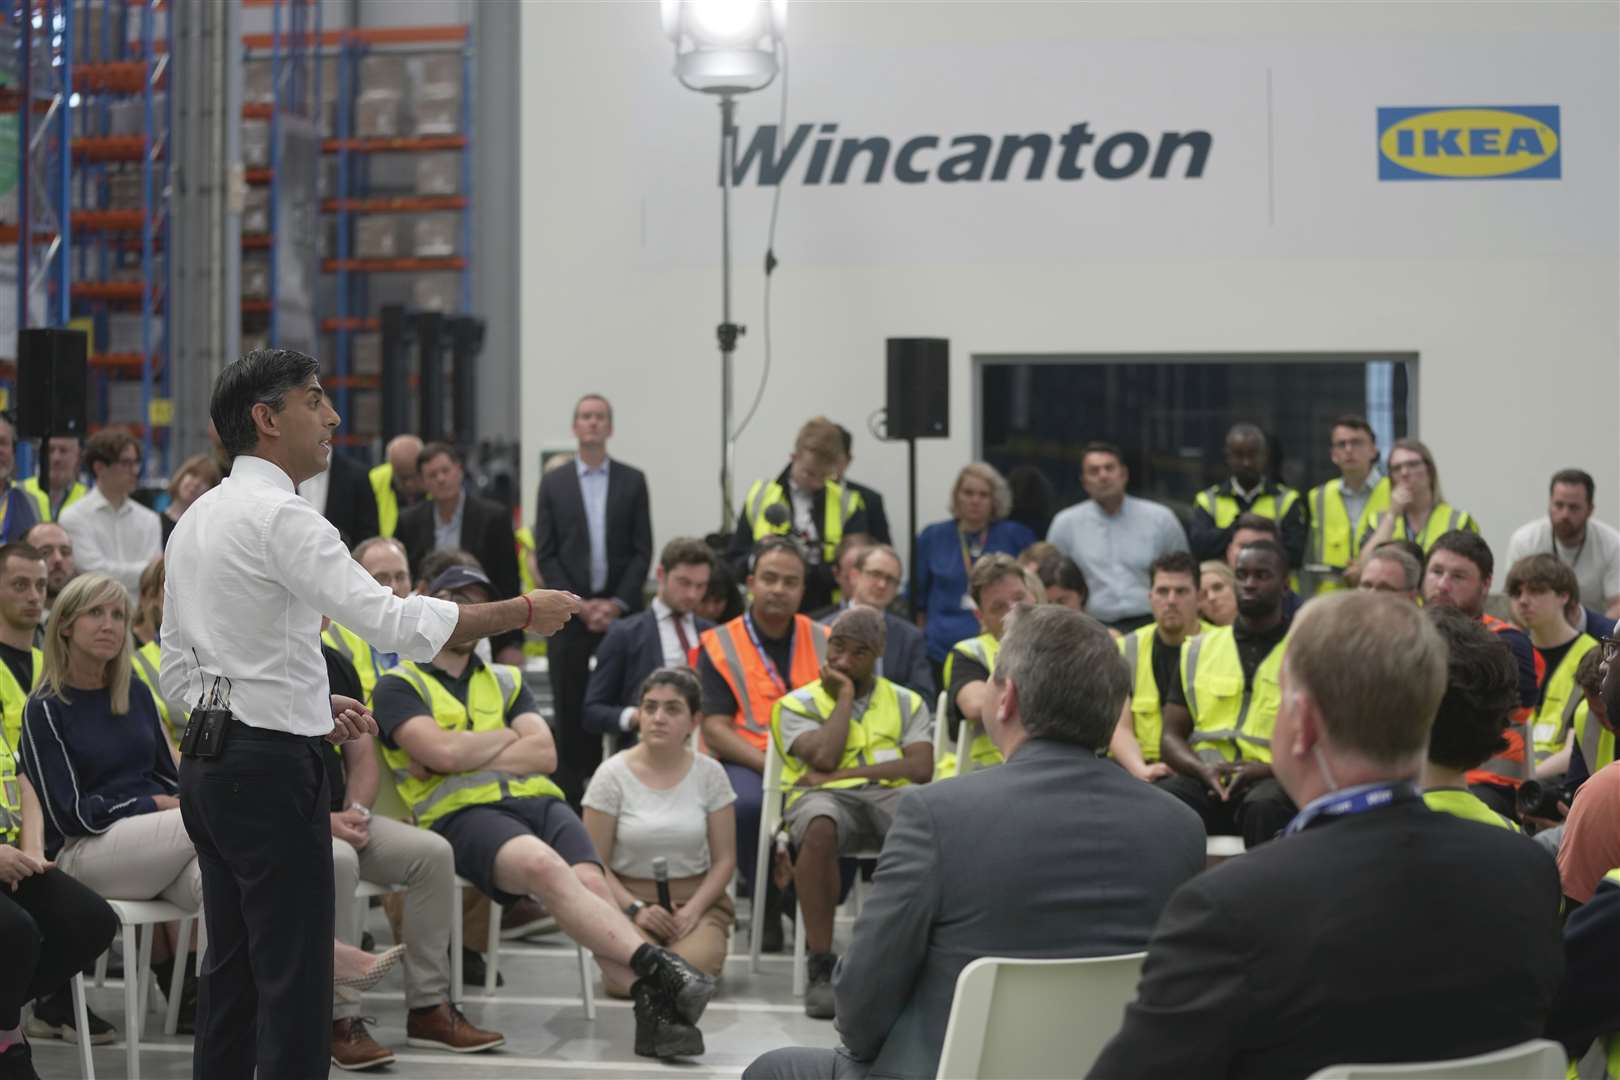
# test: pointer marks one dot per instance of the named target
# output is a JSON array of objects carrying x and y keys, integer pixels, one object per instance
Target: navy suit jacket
[{"x": 628, "y": 654}]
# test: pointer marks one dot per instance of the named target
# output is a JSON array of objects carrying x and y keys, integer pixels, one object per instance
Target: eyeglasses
[
  {"x": 130, "y": 463},
  {"x": 887, "y": 579},
  {"x": 1611, "y": 648}
]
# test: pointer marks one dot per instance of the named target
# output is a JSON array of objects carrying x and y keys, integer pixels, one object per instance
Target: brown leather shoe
[
  {"x": 353, "y": 1047},
  {"x": 445, "y": 1028}
]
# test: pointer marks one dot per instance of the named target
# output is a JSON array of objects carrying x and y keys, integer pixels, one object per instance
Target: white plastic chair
[
  {"x": 770, "y": 819},
  {"x": 1538, "y": 1059},
  {"x": 1017, "y": 1019},
  {"x": 132, "y": 915},
  {"x": 1219, "y": 848},
  {"x": 81, "y": 1020},
  {"x": 492, "y": 957},
  {"x": 964, "y": 746},
  {"x": 943, "y": 743}
]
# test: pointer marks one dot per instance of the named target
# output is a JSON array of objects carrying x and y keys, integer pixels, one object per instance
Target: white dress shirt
[
  {"x": 315, "y": 488},
  {"x": 251, "y": 569},
  {"x": 669, "y": 642},
  {"x": 119, "y": 542}
]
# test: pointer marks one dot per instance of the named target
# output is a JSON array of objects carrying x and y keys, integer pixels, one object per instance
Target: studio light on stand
[{"x": 725, "y": 48}]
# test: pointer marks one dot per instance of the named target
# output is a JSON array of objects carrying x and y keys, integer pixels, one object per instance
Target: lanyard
[
  {"x": 1352, "y": 801},
  {"x": 1552, "y": 541},
  {"x": 967, "y": 560},
  {"x": 770, "y": 665}
]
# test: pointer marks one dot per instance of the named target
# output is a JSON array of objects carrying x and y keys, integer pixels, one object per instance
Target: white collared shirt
[
  {"x": 119, "y": 542},
  {"x": 669, "y": 642},
  {"x": 315, "y": 488},
  {"x": 593, "y": 492},
  {"x": 251, "y": 569}
]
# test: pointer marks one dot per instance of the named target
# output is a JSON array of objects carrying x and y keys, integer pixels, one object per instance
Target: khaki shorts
[{"x": 862, "y": 816}]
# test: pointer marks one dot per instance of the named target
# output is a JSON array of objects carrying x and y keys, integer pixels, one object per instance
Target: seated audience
[
  {"x": 1482, "y": 690},
  {"x": 854, "y": 740},
  {"x": 147, "y": 656},
  {"x": 666, "y": 634},
  {"x": 659, "y": 800},
  {"x": 1416, "y": 511},
  {"x": 1458, "y": 574},
  {"x": 721, "y": 601},
  {"x": 1250, "y": 490},
  {"x": 112, "y": 533},
  {"x": 845, "y": 555},
  {"x": 471, "y": 757},
  {"x": 1591, "y": 844},
  {"x": 1293, "y": 957},
  {"x": 63, "y": 483},
  {"x": 998, "y": 585},
  {"x": 195, "y": 476},
  {"x": 1544, "y": 591},
  {"x": 50, "y": 925},
  {"x": 384, "y": 559},
  {"x": 1594, "y": 730},
  {"x": 1153, "y": 654},
  {"x": 1219, "y": 714},
  {"x": 96, "y": 751},
  {"x": 22, "y": 599},
  {"x": 1063, "y": 582},
  {"x": 947, "y": 551},
  {"x": 1391, "y": 569},
  {"x": 874, "y": 583},
  {"x": 1342, "y": 507},
  {"x": 974, "y": 867},
  {"x": 1589, "y": 547},
  {"x": 56, "y": 548},
  {"x": 1217, "y": 593},
  {"x": 17, "y": 509}
]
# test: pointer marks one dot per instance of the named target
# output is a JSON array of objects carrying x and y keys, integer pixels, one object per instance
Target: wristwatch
[{"x": 634, "y": 908}]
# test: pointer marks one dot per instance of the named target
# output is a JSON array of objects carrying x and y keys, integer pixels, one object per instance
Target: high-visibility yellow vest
[
  {"x": 1335, "y": 539},
  {"x": 13, "y": 699},
  {"x": 1442, "y": 519},
  {"x": 874, "y": 736},
  {"x": 10, "y": 796},
  {"x": 1232, "y": 719},
  {"x": 1560, "y": 700},
  {"x": 490, "y": 694},
  {"x": 533, "y": 644},
  {"x": 382, "y": 486},
  {"x": 145, "y": 662},
  {"x": 1595, "y": 740},
  {"x": 983, "y": 649},
  {"x": 42, "y": 497},
  {"x": 368, "y": 663},
  {"x": 1460, "y": 802},
  {"x": 840, "y": 503},
  {"x": 1220, "y": 504},
  {"x": 1147, "y": 711}
]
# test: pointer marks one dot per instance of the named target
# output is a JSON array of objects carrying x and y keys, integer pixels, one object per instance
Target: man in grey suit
[{"x": 973, "y": 866}]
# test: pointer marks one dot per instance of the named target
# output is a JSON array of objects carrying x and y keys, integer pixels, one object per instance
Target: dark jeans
[
  {"x": 49, "y": 928},
  {"x": 579, "y": 751},
  {"x": 1257, "y": 813},
  {"x": 258, "y": 815},
  {"x": 750, "y": 788}
]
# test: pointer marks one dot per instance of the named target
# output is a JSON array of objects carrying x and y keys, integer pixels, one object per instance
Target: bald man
[{"x": 395, "y": 483}]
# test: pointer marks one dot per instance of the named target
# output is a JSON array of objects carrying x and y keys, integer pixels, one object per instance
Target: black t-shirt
[
  {"x": 395, "y": 701},
  {"x": 342, "y": 679},
  {"x": 1166, "y": 666},
  {"x": 1524, "y": 654},
  {"x": 718, "y": 700},
  {"x": 21, "y": 663},
  {"x": 1552, "y": 658},
  {"x": 964, "y": 670},
  {"x": 1252, "y": 646}
]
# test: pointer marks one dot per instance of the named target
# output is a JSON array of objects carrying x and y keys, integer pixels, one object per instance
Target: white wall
[{"x": 1519, "y": 343}]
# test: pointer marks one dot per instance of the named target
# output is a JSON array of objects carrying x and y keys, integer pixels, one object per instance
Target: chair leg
[
  {"x": 801, "y": 953},
  {"x": 357, "y": 917},
  {"x": 587, "y": 984},
  {"x": 144, "y": 959},
  {"x": 81, "y": 1020},
  {"x": 492, "y": 949},
  {"x": 101, "y": 968},
  {"x": 458, "y": 987},
  {"x": 756, "y": 915},
  {"x": 132, "y": 1018},
  {"x": 858, "y": 891},
  {"x": 177, "y": 981}
]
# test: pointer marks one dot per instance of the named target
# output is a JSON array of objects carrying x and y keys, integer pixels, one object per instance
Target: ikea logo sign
[{"x": 1470, "y": 142}]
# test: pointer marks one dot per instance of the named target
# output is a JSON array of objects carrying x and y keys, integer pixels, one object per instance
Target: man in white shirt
[
  {"x": 1590, "y": 548},
  {"x": 251, "y": 569},
  {"x": 112, "y": 533}
]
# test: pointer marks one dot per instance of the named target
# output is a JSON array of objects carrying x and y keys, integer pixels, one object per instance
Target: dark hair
[
  {"x": 1411, "y": 547},
  {"x": 771, "y": 544},
  {"x": 1097, "y": 446},
  {"x": 437, "y": 562},
  {"x": 848, "y": 543},
  {"x": 1355, "y": 422},
  {"x": 1542, "y": 573},
  {"x": 723, "y": 585},
  {"x": 262, "y": 377},
  {"x": 1070, "y": 675},
  {"x": 1574, "y": 476},
  {"x": 1467, "y": 544},
  {"x": 1175, "y": 562},
  {"x": 1245, "y": 429},
  {"x": 1060, "y": 570},
  {"x": 435, "y": 449},
  {"x": 1269, "y": 546},
  {"x": 849, "y": 440},
  {"x": 1589, "y": 672},
  {"x": 682, "y": 681},
  {"x": 685, "y": 551},
  {"x": 20, "y": 549},
  {"x": 1257, "y": 523},
  {"x": 107, "y": 446},
  {"x": 1482, "y": 690}
]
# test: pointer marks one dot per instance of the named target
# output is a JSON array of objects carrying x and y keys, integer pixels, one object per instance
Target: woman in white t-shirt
[{"x": 658, "y": 799}]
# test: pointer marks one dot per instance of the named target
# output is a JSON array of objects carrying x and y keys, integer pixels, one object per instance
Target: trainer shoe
[{"x": 53, "y": 1019}]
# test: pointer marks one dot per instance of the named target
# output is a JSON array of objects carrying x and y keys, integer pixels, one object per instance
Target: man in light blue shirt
[
  {"x": 1114, "y": 538},
  {"x": 593, "y": 491}
]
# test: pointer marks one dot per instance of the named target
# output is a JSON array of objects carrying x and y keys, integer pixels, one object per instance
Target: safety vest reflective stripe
[
  {"x": 42, "y": 497},
  {"x": 1221, "y": 505},
  {"x": 145, "y": 661},
  {"x": 10, "y": 796},
  {"x": 382, "y": 486},
  {"x": 1442, "y": 519},
  {"x": 1596, "y": 741},
  {"x": 357, "y": 651},
  {"x": 1335, "y": 540},
  {"x": 876, "y": 730},
  {"x": 983, "y": 650},
  {"x": 734, "y": 657},
  {"x": 839, "y": 505},
  {"x": 1559, "y": 700},
  {"x": 1232, "y": 716},
  {"x": 1147, "y": 713},
  {"x": 13, "y": 699}
]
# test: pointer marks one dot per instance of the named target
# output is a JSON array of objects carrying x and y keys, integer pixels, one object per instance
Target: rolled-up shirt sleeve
[{"x": 315, "y": 567}]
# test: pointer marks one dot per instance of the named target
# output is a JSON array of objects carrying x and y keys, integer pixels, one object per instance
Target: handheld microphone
[
  {"x": 776, "y": 515},
  {"x": 661, "y": 876}
]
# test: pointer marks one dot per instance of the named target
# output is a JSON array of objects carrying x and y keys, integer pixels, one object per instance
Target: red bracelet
[{"x": 530, "y": 619}]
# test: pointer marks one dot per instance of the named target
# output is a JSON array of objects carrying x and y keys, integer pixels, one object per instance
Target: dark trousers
[
  {"x": 579, "y": 752},
  {"x": 1257, "y": 813},
  {"x": 750, "y": 788},
  {"x": 49, "y": 928},
  {"x": 258, "y": 815}
]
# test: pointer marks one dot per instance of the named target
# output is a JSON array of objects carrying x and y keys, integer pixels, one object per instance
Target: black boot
[
  {"x": 660, "y": 1033},
  {"x": 686, "y": 988}
]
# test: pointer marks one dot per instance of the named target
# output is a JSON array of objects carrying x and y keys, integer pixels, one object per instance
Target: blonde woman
[
  {"x": 1217, "y": 593},
  {"x": 195, "y": 475},
  {"x": 1417, "y": 511}
]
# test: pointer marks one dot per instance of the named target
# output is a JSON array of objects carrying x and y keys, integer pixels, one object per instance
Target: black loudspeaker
[
  {"x": 919, "y": 384},
  {"x": 52, "y": 372}
]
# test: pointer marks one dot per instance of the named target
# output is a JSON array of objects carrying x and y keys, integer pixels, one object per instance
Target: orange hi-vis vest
[
  {"x": 733, "y": 654},
  {"x": 1516, "y": 764}
]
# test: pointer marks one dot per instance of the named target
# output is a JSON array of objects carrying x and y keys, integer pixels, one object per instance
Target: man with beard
[{"x": 1590, "y": 548}]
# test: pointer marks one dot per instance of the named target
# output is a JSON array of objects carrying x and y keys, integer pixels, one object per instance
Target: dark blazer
[
  {"x": 1589, "y": 1002},
  {"x": 628, "y": 654},
  {"x": 877, "y": 522},
  {"x": 351, "y": 505},
  {"x": 486, "y": 531},
  {"x": 562, "y": 541},
  {"x": 976, "y": 867},
  {"x": 1397, "y": 934},
  {"x": 905, "y": 653}
]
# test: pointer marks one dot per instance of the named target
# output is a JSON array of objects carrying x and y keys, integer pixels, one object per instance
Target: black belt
[{"x": 239, "y": 730}]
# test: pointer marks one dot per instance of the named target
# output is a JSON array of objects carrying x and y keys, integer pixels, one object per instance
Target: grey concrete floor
[{"x": 538, "y": 1010}]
